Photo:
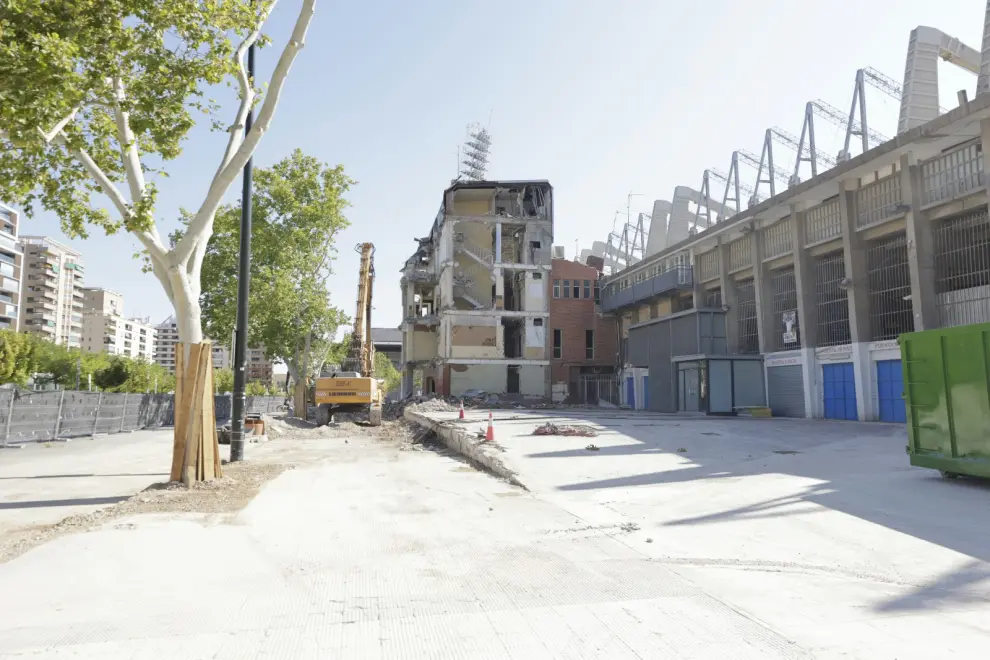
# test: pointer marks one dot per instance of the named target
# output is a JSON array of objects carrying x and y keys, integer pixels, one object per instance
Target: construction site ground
[
  {"x": 656, "y": 537},
  {"x": 821, "y": 530}
]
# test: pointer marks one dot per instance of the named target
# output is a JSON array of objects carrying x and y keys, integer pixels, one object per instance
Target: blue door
[
  {"x": 890, "y": 391},
  {"x": 840, "y": 391},
  {"x": 630, "y": 392},
  {"x": 646, "y": 392}
]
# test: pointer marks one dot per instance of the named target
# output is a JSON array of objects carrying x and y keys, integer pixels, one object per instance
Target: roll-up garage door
[{"x": 785, "y": 388}]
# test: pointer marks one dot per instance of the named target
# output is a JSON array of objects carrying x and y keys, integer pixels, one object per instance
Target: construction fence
[{"x": 62, "y": 414}]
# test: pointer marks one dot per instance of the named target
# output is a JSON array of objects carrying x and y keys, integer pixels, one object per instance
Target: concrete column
[
  {"x": 728, "y": 299},
  {"x": 854, "y": 253},
  {"x": 761, "y": 283},
  {"x": 807, "y": 311},
  {"x": 498, "y": 242},
  {"x": 921, "y": 247},
  {"x": 697, "y": 291},
  {"x": 804, "y": 280}
]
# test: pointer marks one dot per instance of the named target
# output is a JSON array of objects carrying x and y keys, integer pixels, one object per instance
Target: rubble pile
[{"x": 563, "y": 429}]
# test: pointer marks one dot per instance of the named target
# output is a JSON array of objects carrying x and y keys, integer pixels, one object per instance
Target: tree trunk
[{"x": 195, "y": 449}]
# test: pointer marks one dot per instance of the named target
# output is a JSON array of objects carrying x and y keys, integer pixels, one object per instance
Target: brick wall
[{"x": 573, "y": 317}]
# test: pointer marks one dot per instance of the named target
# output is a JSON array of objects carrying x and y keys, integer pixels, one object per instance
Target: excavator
[{"x": 354, "y": 388}]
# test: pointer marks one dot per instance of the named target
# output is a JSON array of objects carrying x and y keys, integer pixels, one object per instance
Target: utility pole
[{"x": 243, "y": 290}]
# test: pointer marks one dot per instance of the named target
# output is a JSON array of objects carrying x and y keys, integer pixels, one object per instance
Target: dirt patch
[{"x": 240, "y": 483}]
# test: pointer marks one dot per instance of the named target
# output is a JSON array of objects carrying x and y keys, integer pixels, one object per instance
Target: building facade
[
  {"x": 816, "y": 283},
  {"x": 474, "y": 293},
  {"x": 166, "y": 339},
  {"x": 389, "y": 342},
  {"x": 106, "y": 330},
  {"x": 11, "y": 262},
  {"x": 583, "y": 343},
  {"x": 52, "y": 283}
]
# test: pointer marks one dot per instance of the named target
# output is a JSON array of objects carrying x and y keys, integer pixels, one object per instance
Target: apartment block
[
  {"x": 11, "y": 259},
  {"x": 106, "y": 330},
  {"x": 166, "y": 339},
  {"x": 583, "y": 343},
  {"x": 259, "y": 367},
  {"x": 474, "y": 292},
  {"x": 52, "y": 283}
]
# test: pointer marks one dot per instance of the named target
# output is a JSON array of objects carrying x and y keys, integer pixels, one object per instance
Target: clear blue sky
[{"x": 600, "y": 97}]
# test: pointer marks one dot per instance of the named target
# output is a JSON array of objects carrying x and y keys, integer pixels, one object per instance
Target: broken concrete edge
[{"x": 464, "y": 443}]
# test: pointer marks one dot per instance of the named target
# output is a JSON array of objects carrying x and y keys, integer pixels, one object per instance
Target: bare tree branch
[
  {"x": 183, "y": 251},
  {"x": 128, "y": 144},
  {"x": 246, "y": 91}
]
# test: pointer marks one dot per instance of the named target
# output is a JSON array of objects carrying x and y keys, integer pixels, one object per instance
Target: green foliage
[
  {"x": 256, "y": 388},
  {"x": 62, "y": 57},
  {"x": 385, "y": 370},
  {"x": 298, "y": 207},
  {"x": 223, "y": 380},
  {"x": 337, "y": 351},
  {"x": 51, "y": 364},
  {"x": 18, "y": 358}
]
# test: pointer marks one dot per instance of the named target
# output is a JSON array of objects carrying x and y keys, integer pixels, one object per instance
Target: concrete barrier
[{"x": 456, "y": 437}]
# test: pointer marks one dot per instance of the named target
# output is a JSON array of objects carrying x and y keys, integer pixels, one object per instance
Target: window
[
  {"x": 556, "y": 288},
  {"x": 598, "y": 293},
  {"x": 537, "y": 276},
  {"x": 587, "y": 289},
  {"x": 589, "y": 344},
  {"x": 577, "y": 288},
  {"x": 567, "y": 288},
  {"x": 537, "y": 323},
  {"x": 557, "y": 339}
]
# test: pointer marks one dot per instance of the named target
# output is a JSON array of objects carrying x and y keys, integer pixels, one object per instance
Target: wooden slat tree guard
[{"x": 195, "y": 451}]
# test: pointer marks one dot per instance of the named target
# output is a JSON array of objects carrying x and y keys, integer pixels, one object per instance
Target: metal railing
[
  {"x": 878, "y": 201},
  {"x": 664, "y": 283},
  {"x": 889, "y": 280},
  {"x": 708, "y": 265},
  {"x": 479, "y": 252},
  {"x": 783, "y": 304},
  {"x": 746, "y": 320},
  {"x": 962, "y": 269},
  {"x": 741, "y": 253},
  {"x": 823, "y": 222},
  {"x": 953, "y": 174},
  {"x": 832, "y": 300},
  {"x": 777, "y": 239}
]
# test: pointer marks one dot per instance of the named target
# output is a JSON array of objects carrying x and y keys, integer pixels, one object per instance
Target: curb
[{"x": 464, "y": 443}]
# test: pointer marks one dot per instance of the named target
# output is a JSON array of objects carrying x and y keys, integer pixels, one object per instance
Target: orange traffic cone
[
  {"x": 490, "y": 433},
  {"x": 460, "y": 415}
]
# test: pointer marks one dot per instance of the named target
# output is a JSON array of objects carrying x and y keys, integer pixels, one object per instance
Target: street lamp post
[{"x": 243, "y": 291}]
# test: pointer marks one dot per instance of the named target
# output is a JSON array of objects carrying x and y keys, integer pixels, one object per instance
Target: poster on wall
[{"x": 790, "y": 320}]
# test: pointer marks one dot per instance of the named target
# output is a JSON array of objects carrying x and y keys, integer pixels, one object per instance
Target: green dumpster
[{"x": 947, "y": 396}]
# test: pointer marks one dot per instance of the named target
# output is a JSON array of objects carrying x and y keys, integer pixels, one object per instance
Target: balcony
[
  {"x": 679, "y": 278},
  {"x": 10, "y": 311},
  {"x": 7, "y": 284}
]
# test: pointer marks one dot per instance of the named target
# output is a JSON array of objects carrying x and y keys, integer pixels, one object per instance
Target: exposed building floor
[{"x": 821, "y": 530}]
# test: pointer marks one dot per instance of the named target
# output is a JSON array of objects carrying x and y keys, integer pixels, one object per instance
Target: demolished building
[{"x": 475, "y": 291}]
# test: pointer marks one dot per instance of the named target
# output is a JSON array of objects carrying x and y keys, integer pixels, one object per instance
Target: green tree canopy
[
  {"x": 18, "y": 357},
  {"x": 298, "y": 210}
]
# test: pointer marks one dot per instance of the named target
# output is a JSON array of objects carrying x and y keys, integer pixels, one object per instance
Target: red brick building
[{"x": 583, "y": 345}]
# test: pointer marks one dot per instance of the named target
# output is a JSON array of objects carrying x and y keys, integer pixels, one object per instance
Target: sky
[{"x": 600, "y": 97}]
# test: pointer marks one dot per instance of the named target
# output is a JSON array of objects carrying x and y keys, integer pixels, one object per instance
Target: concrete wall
[
  {"x": 482, "y": 339},
  {"x": 533, "y": 379},
  {"x": 535, "y": 292},
  {"x": 422, "y": 346},
  {"x": 487, "y": 377},
  {"x": 535, "y": 342}
]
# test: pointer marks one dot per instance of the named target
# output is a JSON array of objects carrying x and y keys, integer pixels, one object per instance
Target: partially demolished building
[{"x": 475, "y": 292}]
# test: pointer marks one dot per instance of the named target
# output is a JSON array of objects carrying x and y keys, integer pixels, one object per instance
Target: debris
[
  {"x": 629, "y": 527},
  {"x": 562, "y": 429},
  {"x": 649, "y": 540},
  {"x": 681, "y": 450},
  {"x": 592, "y": 447}
]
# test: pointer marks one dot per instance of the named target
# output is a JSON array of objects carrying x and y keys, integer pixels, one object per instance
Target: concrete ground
[
  {"x": 820, "y": 530},
  {"x": 42, "y": 483},
  {"x": 369, "y": 550}
]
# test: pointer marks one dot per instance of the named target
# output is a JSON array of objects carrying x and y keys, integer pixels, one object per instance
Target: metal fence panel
[{"x": 51, "y": 415}]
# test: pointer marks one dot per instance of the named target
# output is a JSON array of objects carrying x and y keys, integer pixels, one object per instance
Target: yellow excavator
[{"x": 354, "y": 388}]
